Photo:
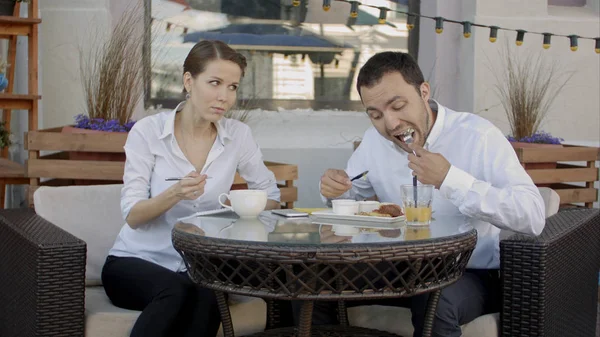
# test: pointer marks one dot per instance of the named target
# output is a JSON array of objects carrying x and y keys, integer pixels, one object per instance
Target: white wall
[
  {"x": 66, "y": 27},
  {"x": 447, "y": 59}
]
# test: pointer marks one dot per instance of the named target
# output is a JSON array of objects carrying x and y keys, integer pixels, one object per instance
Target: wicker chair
[
  {"x": 51, "y": 262},
  {"x": 549, "y": 282}
]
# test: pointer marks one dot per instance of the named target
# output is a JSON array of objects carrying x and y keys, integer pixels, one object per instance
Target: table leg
[
  {"x": 225, "y": 314},
  {"x": 432, "y": 303},
  {"x": 342, "y": 311},
  {"x": 305, "y": 323}
]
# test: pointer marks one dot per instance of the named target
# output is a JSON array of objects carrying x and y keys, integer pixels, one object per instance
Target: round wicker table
[{"x": 315, "y": 259}]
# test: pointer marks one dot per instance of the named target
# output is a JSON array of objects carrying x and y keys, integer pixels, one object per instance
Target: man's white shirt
[{"x": 486, "y": 183}]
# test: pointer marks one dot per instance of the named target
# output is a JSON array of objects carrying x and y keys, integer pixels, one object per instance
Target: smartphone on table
[{"x": 289, "y": 213}]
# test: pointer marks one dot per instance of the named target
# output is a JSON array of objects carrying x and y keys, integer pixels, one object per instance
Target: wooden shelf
[
  {"x": 10, "y": 169},
  {"x": 12, "y": 101},
  {"x": 18, "y": 20},
  {"x": 10, "y": 26}
]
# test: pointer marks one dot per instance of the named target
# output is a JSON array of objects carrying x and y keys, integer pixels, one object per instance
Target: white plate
[{"x": 328, "y": 214}]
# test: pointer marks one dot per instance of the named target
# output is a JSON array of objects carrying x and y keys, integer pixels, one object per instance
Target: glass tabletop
[{"x": 268, "y": 227}]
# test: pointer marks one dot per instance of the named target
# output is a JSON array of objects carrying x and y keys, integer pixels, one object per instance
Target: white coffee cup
[{"x": 246, "y": 203}]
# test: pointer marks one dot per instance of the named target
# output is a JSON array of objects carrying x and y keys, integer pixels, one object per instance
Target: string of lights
[{"x": 467, "y": 25}]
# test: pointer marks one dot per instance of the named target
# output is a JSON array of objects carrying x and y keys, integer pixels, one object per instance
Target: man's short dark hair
[{"x": 387, "y": 62}]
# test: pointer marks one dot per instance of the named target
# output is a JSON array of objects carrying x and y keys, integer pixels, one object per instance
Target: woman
[{"x": 143, "y": 271}]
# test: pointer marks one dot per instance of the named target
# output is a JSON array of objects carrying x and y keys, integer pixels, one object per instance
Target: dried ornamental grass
[{"x": 527, "y": 87}]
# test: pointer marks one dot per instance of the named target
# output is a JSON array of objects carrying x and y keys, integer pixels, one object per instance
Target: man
[{"x": 473, "y": 167}]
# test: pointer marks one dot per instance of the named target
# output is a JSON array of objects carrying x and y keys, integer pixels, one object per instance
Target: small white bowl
[
  {"x": 345, "y": 206},
  {"x": 368, "y": 205}
]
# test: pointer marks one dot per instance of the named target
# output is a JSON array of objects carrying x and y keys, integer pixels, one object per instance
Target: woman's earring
[{"x": 187, "y": 95}]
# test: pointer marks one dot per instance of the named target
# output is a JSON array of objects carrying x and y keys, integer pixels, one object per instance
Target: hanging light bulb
[
  {"x": 382, "y": 15},
  {"x": 326, "y": 5},
  {"x": 597, "y": 45},
  {"x": 520, "y": 36},
  {"x": 466, "y": 29},
  {"x": 354, "y": 9},
  {"x": 439, "y": 25},
  {"x": 573, "y": 40},
  {"x": 295, "y": 3},
  {"x": 493, "y": 33},
  {"x": 410, "y": 21},
  {"x": 547, "y": 37}
]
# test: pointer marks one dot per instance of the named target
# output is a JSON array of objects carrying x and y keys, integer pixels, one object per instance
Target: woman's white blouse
[{"x": 154, "y": 155}]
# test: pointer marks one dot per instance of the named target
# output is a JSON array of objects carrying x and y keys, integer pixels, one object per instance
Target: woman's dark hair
[
  {"x": 389, "y": 62},
  {"x": 209, "y": 50}
]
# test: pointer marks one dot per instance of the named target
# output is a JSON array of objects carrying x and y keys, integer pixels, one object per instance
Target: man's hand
[
  {"x": 430, "y": 168},
  {"x": 335, "y": 183}
]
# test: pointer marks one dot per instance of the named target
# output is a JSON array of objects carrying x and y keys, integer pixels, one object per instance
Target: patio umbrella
[{"x": 275, "y": 38}]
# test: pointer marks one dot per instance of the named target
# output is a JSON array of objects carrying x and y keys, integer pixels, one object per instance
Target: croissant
[{"x": 392, "y": 209}]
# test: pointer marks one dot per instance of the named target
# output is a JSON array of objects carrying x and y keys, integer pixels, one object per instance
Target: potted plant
[
  {"x": 112, "y": 75},
  {"x": 4, "y": 136},
  {"x": 527, "y": 85}
]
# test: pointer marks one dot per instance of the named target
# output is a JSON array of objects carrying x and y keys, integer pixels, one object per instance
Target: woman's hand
[{"x": 191, "y": 186}]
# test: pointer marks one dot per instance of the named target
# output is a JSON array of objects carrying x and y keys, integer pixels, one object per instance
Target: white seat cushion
[
  {"x": 483, "y": 326},
  {"x": 398, "y": 320},
  {"x": 91, "y": 213},
  {"x": 102, "y": 319}
]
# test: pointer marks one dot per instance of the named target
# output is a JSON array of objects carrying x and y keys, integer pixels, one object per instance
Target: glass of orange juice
[{"x": 417, "y": 211}]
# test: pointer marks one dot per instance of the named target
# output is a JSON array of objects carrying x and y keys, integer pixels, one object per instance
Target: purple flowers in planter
[
  {"x": 539, "y": 137},
  {"x": 100, "y": 124}
]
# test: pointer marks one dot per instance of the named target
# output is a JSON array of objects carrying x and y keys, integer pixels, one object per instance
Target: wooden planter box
[
  {"x": 566, "y": 178},
  {"x": 58, "y": 168}
]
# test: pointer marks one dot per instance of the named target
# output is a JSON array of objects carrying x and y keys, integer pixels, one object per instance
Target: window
[{"x": 298, "y": 56}]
